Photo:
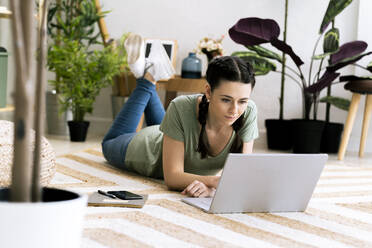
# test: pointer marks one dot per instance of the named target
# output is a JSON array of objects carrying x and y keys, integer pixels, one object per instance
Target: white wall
[{"x": 189, "y": 21}]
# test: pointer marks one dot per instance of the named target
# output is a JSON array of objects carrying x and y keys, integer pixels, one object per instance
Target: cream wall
[{"x": 189, "y": 21}]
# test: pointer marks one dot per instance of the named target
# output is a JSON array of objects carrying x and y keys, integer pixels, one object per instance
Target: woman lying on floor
[{"x": 197, "y": 132}]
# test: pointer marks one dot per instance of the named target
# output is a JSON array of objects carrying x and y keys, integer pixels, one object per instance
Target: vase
[{"x": 191, "y": 67}]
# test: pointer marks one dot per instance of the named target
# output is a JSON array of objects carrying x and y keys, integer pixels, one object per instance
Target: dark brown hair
[{"x": 228, "y": 68}]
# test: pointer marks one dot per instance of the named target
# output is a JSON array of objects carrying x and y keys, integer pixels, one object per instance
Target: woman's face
[{"x": 228, "y": 101}]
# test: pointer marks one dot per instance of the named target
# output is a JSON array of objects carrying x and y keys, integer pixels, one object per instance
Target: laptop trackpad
[{"x": 204, "y": 202}]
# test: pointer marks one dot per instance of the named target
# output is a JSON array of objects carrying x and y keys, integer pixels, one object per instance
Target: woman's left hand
[{"x": 198, "y": 189}]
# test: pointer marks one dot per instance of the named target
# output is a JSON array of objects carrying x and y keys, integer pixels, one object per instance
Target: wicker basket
[{"x": 48, "y": 157}]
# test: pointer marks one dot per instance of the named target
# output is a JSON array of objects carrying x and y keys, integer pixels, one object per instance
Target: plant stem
[
  {"x": 293, "y": 70},
  {"x": 316, "y": 76},
  {"x": 312, "y": 60},
  {"x": 361, "y": 67},
  {"x": 283, "y": 63},
  {"x": 328, "y": 105},
  {"x": 288, "y": 75},
  {"x": 21, "y": 27},
  {"x": 302, "y": 77},
  {"x": 40, "y": 102}
]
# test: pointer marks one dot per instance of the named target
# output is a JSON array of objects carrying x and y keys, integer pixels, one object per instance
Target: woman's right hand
[{"x": 198, "y": 189}]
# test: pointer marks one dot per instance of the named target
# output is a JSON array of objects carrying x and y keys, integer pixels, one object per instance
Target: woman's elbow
[{"x": 171, "y": 182}]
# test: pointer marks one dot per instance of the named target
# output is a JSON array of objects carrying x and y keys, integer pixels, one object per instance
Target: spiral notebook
[{"x": 98, "y": 200}]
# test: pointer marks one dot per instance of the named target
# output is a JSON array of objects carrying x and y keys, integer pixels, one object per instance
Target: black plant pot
[
  {"x": 331, "y": 137},
  {"x": 78, "y": 130},
  {"x": 307, "y": 135},
  {"x": 279, "y": 134}
]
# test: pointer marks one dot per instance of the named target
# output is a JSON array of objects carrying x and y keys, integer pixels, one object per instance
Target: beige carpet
[{"x": 339, "y": 213}]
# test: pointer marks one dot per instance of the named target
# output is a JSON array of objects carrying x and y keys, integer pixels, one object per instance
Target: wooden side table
[
  {"x": 178, "y": 84},
  {"x": 171, "y": 87}
]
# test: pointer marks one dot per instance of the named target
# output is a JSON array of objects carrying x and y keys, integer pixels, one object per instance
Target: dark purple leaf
[
  {"x": 241, "y": 38},
  {"x": 348, "y": 78},
  {"x": 346, "y": 62},
  {"x": 254, "y": 31},
  {"x": 282, "y": 46},
  {"x": 348, "y": 50},
  {"x": 326, "y": 80}
]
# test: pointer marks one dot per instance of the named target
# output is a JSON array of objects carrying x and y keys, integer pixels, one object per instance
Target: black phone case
[{"x": 125, "y": 195}]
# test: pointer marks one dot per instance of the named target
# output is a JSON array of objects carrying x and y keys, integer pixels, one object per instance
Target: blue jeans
[{"x": 144, "y": 98}]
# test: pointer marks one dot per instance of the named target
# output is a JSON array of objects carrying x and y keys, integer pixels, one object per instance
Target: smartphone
[{"x": 125, "y": 195}]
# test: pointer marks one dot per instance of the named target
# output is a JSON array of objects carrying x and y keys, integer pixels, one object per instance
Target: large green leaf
[
  {"x": 264, "y": 52},
  {"x": 338, "y": 102},
  {"x": 331, "y": 41},
  {"x": 261, "y": 66},
  {"x": 334, "y": 8}
]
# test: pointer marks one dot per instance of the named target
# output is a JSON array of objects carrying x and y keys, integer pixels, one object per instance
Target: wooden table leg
[
  {"x": 349, "y": 125},
  {"x": 169, "y": 96},
  {"x": 366, "y": 119}
]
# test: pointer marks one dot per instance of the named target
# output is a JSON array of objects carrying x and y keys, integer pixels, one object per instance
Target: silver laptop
[{"x": 264, "y": 183}]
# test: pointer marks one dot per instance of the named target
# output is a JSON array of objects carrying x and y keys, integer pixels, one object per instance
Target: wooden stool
[{"x": 358, "y": 88}]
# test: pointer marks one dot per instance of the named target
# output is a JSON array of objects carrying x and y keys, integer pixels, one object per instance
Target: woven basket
[{"x": 48, "y": 157}]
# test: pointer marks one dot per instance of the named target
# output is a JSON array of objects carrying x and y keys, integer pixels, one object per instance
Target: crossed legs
[{"x": 144, "y": 99}]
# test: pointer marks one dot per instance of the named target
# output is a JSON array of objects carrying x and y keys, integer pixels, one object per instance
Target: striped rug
[{"x": 339, "y": 213}]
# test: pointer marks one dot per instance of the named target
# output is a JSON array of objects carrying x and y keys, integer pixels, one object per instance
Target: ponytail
[{"x": 203, "y": 145}]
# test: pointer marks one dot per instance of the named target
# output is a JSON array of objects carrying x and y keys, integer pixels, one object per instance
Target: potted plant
[
  {"x": 32, "y": 216},
  {"x": 82, "y": 74},
  {"x": 252, "y": 32},
  {"x": 73, "y": 20},
  {"x": 278, "y": 131},
  {"x": 80, "y": 71}
]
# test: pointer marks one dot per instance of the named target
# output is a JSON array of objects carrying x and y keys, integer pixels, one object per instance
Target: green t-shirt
[{"x": 144, "y": 153}]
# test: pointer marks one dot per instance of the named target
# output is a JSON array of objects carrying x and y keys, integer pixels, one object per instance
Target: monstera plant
[{"x": 253, "y": 32}]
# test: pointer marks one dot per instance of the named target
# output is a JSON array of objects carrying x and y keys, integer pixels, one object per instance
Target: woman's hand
[{"x": 198, "y": 189}]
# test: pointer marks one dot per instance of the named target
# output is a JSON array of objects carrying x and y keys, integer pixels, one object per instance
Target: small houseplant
[
  {"x": 81, "y": 72},
  {"x": 251, "y": 32},
  {"x": 32, "y": 216},
  {"x": 73, "y": 20}
]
